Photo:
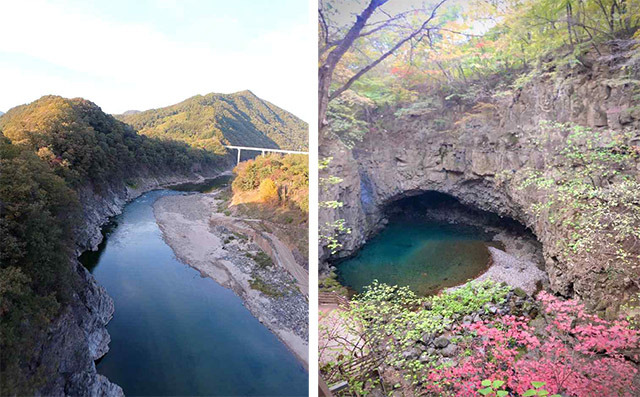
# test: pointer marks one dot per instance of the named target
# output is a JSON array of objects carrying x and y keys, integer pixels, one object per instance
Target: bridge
[{"x": 263, "y": 150}]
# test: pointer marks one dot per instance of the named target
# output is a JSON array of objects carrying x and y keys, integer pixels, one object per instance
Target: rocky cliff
[
  {"x": 559, "y": 155},
  {"x": 78, "y": 337}
]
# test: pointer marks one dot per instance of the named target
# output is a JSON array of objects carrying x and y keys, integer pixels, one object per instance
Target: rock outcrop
[
  {"x": 76, "y": 339},
  {"x": 79, "y": 336},
  {"x": 482, "y": 153}
]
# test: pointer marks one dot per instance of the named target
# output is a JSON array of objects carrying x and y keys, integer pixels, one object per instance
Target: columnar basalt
[{"x": 505, "y": 154}]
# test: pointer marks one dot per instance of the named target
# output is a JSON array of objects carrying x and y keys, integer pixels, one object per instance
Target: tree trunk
[{"x": 326, "y": 70}]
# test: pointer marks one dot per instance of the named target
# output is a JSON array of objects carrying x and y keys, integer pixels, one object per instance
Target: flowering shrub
[{"x": 574, "y": 354}]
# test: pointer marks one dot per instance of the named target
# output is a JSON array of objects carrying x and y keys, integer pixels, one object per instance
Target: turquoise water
[
  {"x": 176, "y": 333},
  {"x": 424, "y": 256}
]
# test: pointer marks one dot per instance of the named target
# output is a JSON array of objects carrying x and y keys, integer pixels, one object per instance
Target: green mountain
[
  {"x": 83, "y": 144},
  {"x": 213, "y": 120}
]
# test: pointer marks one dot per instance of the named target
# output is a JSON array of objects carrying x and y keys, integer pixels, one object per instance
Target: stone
[
  {"x": 411, "y": 354},
  {"x": 450, "y": 350},
  {"x": 424, "y": 358},
  {"x": 427, "y": 339},
  {"x": 441, "y": 342}
]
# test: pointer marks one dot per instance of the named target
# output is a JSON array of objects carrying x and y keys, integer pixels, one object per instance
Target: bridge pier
[{"x": 238, "y": 156}]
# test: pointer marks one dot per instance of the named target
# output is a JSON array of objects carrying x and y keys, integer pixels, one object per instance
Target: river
[{"x": 175, "y": 332}]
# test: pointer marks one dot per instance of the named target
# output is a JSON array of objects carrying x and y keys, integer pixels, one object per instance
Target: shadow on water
[
  {"x": 90, "y": 259},
  {"x": 207, "y": 186},
  {"x": 175, "y": 332}
]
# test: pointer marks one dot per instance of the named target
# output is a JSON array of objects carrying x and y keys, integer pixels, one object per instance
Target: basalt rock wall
[{"x": 477, "y": 152}]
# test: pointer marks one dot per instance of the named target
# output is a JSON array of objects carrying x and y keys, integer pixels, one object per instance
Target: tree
[{"x": 364, "y": 26}]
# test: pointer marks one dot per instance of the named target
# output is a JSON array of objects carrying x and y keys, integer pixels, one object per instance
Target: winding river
[{"x": 175, "y": 332}]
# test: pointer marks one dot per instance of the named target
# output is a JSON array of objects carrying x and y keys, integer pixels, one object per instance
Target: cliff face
[
  {"x": 494, "y": 155},
  {"x": 76, "y": 339},
  {"x": 98, "y": 205},
  {"x": 79, "y": 336}
]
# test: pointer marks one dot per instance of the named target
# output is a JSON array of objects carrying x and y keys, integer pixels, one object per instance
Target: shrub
[
  {"x": 268, "y": 191},
  {"x": 574, "y": 354}
]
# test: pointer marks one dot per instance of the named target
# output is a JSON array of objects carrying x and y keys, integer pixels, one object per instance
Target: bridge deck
[{"x": 259, "y": 149}]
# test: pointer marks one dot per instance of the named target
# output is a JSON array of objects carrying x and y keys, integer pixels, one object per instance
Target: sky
[{"x": 143, "y": 54}]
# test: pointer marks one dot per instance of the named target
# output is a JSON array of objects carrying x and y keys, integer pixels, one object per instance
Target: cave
[{"x": 430, "y": 241}]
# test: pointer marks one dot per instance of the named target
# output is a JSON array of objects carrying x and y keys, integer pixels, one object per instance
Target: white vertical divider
[{"x": 312, "y": 89}]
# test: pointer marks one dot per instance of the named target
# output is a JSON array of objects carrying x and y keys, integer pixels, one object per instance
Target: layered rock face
[
  {"x": 76, "y": 339},
  {"x": 494, "y": 155},
  {"x": 79, "y": 336}
]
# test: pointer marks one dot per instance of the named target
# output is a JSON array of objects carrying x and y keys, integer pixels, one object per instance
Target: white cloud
[{"x": 123, "y": 66}]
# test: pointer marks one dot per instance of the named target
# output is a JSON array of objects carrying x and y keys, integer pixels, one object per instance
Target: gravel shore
[{"x": 216, "y": 245}]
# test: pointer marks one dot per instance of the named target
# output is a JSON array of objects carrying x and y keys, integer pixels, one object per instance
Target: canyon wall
[
  {"x": 79, "y": 336},
  {"x": 487, "y": 152}
]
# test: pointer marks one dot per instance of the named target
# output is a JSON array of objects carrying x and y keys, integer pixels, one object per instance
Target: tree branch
[{"x": 381, "y": 58}]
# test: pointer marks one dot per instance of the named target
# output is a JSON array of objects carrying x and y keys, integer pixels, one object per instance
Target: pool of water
[
  {"x": 424, "y": 256},
  {"x": 175, "y": 332}
]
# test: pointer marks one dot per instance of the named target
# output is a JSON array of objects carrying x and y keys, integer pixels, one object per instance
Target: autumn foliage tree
[
  {"x": 573, "y": 352},
  {"x": 338, "y": 40},
  {"x": 274, "y": 179}
]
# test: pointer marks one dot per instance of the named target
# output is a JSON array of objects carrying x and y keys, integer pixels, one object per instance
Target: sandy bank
[{"x": 227, "y": 250}]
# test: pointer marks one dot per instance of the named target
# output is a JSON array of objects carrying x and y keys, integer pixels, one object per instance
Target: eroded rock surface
[
  {"x": 79, "y": 336},
  {"x": 480, "y": 156},
  {"x": 76, "y": 339}
]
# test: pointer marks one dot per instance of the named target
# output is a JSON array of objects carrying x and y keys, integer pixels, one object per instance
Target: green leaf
[
  {"x": 542, "y": 392},
  {"x": 502, "y": 393},
  {"x": 538, "y": 385},
  {"x": 529, "y": 392},
  {"x": 486, "y": 383},
  {"x": 485, "y": 391},
  {"x": 497, "y": 383}
]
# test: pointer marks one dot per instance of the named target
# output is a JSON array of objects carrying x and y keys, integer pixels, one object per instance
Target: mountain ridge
[{"x": 212, "y": 120}]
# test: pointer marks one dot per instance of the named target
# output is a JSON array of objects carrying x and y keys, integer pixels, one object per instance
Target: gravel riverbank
[{"x": 211, "y": 243}]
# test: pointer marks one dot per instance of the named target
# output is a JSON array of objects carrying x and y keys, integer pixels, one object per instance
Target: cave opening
[{"x": 431, "y": 241}]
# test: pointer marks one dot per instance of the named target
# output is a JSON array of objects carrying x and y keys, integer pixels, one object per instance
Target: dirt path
[{"x": 270, "y": 244}]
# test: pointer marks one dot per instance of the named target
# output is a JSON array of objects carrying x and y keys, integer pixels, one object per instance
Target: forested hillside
[
  {"x": 215, "y": 119},
  {"x": 275, "y": 180},
  {"x": 82, "y": 144},
  {"x": 49, "y": 150}
]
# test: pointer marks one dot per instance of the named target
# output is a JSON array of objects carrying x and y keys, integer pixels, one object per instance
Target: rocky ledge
[{"x": 76, "y": 339}]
